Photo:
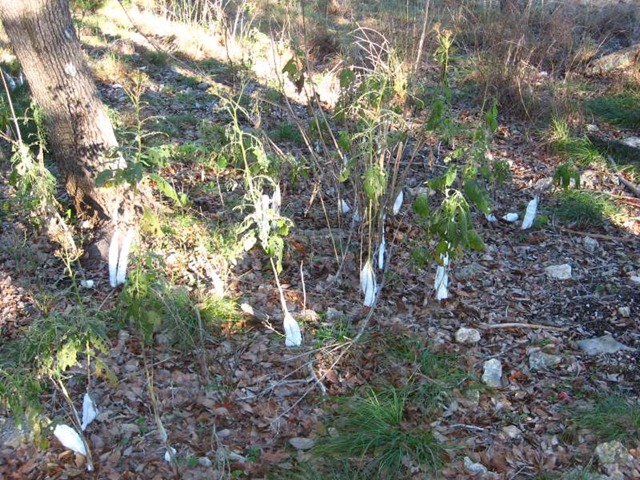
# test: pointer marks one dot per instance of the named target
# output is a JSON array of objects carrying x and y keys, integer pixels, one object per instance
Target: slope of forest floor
[{"x": 236, "y": 402}]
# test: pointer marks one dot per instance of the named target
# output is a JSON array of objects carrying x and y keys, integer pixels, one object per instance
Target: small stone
[
  {"x": 205, "y": 462},
  {"x": 492, "y": 375},
  {"x": 613, "y": 452},
  {"x": 203, "y": 86},
  {"x": 474, "y": 468},
  {"x": 604, "y": 344},
  {"x": 591, "y": 244},
  {"x": 171, "y": 259},
  {"x": 470, "y": 271},
  {"x": 467, "y": 335},
  {"x": 511, "y": 217},
  {"x": 538, "y": 360},
  {"x": 559, "y": 272},
  {"x": 333, "y": 314},
  {"x": 308, "y": 315},
  {"x": 512, "y": 432},
  {"x": 635, "y": 279},
  {"x": 624, "y": 311},
  {"x": 543, "y": 184},
  {"x": 301, "y": 443}
]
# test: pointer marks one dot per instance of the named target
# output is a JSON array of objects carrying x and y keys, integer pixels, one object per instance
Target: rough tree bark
[{"x": 80, "y": 134}]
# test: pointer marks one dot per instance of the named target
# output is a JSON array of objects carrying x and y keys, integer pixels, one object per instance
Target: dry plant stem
[
  {"x": 425, "y": 22},
  {"x": 13, "y": 112},
  {"x": 596, "y": 235},
  {"x": 635, "y": 189},
  {"x": 76, "y": 419},
  {"x": 493, "y": 326},
  {"x": 201, "y": 357},
  {"x": 283, "y": 303},
  {"x": 304, "y": 288},
  {"x": 155, "y": 406}
]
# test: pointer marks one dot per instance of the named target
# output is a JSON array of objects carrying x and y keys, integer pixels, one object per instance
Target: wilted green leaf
[
  {"x": 437, "y": 112},
  {"x": 421, "y": 206},
  {"x": 375, "y": 183},
  {"x": 346, "y": 78},
  {"x": 478, "y": 195},
  {"x": 291, "y": 67}
]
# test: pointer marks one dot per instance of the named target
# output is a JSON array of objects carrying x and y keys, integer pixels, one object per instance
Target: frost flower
[
  {"x": 89, "y": 411},
  {"x": 293, "y": 337},
  {"x": 276, "y": 200},
  {"x": 530, "y": 215},
  {"x": 119, "y": 256},
  {"x": 381, "y": 252},
  {"x": 441, "y": 284},
  {"x": 368, "y": 284},
  {"x": 398, "y": 203},
  {"x": 70, "y": 439}
]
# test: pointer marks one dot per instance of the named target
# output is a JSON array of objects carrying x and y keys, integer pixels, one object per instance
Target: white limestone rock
[
  {"x": 467, "y": 335},
  {"x": 492, "y": 373},
  {"x": 559, "y": 272}
]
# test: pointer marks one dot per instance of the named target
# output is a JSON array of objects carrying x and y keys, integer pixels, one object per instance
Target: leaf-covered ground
[{"x": 240, "y": 404}]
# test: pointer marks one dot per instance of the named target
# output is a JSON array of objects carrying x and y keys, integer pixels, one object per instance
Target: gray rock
[
  {"x": 559, "y": 272},
  {"x": 301, "y": 443},
  {"x": 604, "y": 344},
  {"x": 467, "y": 335},
  {"x": 492, "y": 375},
  {"x": 591, "y": 244},
  {"x": 469, "y": 271},
  {"x": 474, "y": 468},
  {"x": 613, "y": 452},
  {"x": 333, "y": 314},
  {"x": 538, "y": 360},
  {"x": 205, "y": 462},
  {"x": 512, "y": 432},
  {"x": 624, "y": 311},
  {"x": 631, "y": 142}
]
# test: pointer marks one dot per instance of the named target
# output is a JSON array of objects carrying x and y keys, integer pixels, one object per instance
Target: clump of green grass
[
  {"x": 621, "y": 110},
  {"x": 310, "y": 470},
  {"x": 610, "y": 417},
  {"x": 373, "y": 429},
  {"x": 583, "y": 209},
  {"x": 442, "y": 374},
  {"x": 220, "y": 313},
  {"x": 287, "y": 132},
  {"x": 577, "y": 149}
]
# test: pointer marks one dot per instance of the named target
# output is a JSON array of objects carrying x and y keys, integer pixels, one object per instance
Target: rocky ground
[{"x": 541, "y": 323}]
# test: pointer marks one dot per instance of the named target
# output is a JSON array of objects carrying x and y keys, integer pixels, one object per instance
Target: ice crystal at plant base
[
  {"x": 368, "y": 284},
  {"x": 293, "y": 337}
]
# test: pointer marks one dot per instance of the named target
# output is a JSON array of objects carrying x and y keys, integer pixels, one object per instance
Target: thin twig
[
  {"x": 493, "y": 326},
  {"x": 596, "y": 235}
]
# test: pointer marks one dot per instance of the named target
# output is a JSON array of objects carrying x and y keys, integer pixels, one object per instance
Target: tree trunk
[{"x": 80, "y": 134}]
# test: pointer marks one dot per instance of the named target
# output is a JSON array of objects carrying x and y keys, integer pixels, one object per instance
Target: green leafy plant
[
  {"x": 566, "y": 175},
  {"x": 40, "y": 359},
  {"x": 142, "y": 156}
]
